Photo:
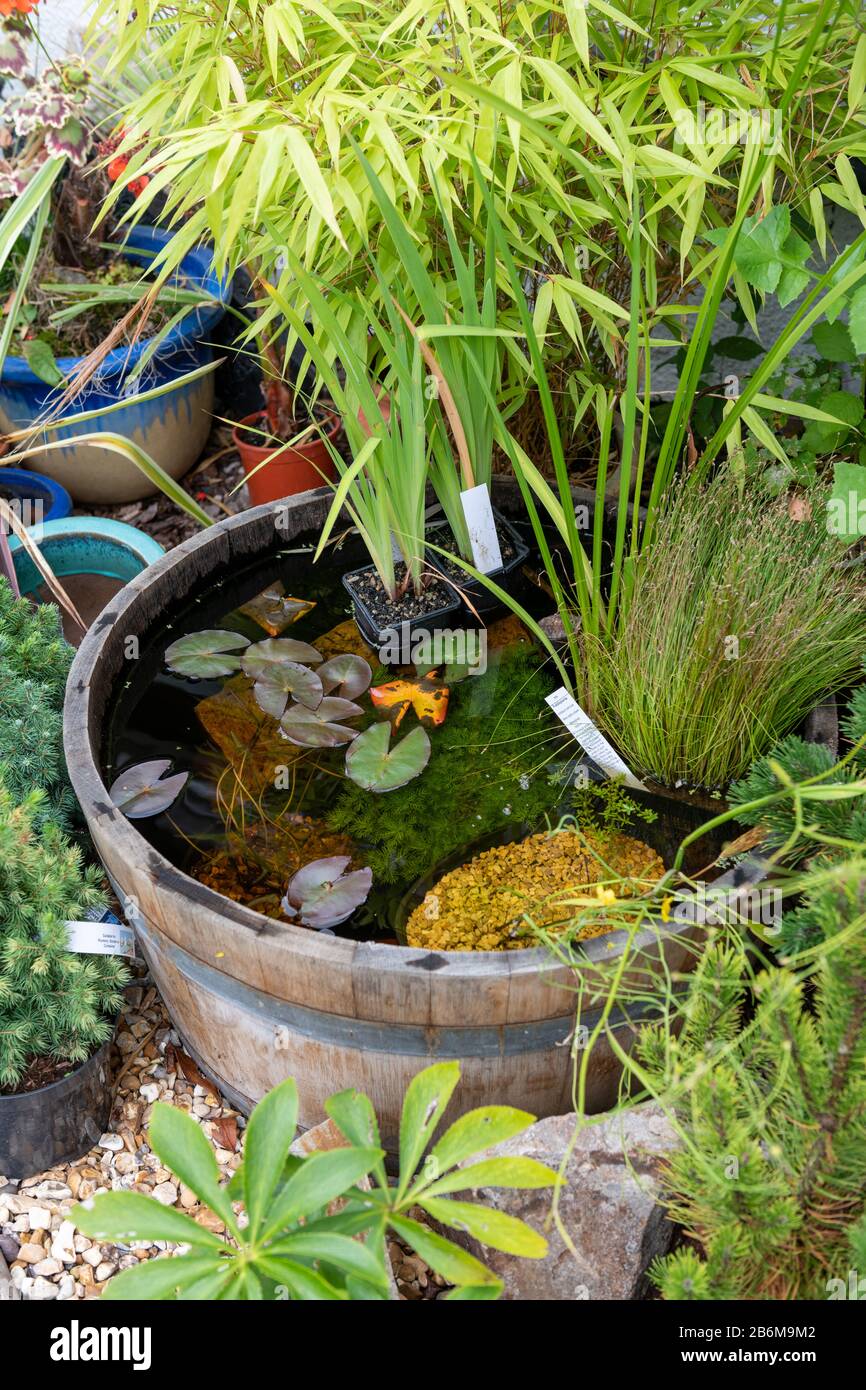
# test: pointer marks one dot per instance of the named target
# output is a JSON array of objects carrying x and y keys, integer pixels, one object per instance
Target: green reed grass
[{"x": 740, "y": 619}]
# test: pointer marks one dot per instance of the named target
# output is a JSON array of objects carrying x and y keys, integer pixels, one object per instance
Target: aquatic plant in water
[
  {"x": 323, "y": 895},
  {"x": 144, "y": 790},
  {"x": 379, "y": 768}
]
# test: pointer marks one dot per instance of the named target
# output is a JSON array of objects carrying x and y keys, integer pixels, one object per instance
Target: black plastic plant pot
[
  {"x": 58, "y": 1123},
  {"x": 478, "y": 597},
  {"x": 379, "y": 636}
]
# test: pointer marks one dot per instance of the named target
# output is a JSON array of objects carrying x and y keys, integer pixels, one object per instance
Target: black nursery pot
[
  {"x": 60, "y": 1122},
  {"x": 371, "y": 627},
  {"x": 477, "y": 594}
]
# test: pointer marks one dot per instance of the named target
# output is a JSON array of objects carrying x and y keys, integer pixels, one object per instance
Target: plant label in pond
[
  {"x": 478, "y": 511},
  {"x": 579, "y": 724},
  {"x": 101, "y": 939}
]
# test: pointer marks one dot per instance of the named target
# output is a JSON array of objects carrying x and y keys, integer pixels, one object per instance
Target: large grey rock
[{"x": 608, "y": 1206}]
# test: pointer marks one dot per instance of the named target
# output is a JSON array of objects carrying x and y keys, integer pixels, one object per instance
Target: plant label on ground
[
  {"x": 101, "y": 938},
  {"x": 579, "y": 724}
]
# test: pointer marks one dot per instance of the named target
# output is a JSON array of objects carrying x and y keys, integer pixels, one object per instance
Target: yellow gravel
[{"x": 481, "y": 905}]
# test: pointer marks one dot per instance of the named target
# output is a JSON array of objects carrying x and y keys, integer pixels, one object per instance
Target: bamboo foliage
[{"x": 568, "y": 109}]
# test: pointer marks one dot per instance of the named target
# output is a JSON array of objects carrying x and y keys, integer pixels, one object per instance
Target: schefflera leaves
[
  {"x": 322, "y": 894},
  {"x": 214, "y": 652},
  {"x": 377, "y": 766},
  {"x": 320, "y": 727}
]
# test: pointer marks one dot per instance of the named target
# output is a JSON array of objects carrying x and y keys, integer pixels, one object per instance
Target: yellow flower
[
  {"x": 666, "y": 908},
  {"x": 605, "y": 895}
]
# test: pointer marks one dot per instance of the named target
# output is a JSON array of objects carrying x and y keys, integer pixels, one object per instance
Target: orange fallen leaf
[{"x": 426, "y": 696}]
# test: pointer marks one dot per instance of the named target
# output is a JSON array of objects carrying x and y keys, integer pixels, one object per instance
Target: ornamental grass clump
[
  {"x": 741, "y": 618},
  {"x": 56, "y": 1006}
]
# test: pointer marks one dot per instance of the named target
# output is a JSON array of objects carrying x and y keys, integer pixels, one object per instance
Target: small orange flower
[{"x": 8, "y": 7}]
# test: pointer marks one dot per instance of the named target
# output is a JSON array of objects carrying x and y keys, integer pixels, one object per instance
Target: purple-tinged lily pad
[
  {"x": 349, "y": 674},
  {"x": 379, "y": 768},
  {"x": 323, "y": 895},
  {"x": 206, "y": 654},
  {"x": 287, "y": 681},
  {"x": 142, "y": 790},
  {"x": 263, "y": 660},
  {"x": 313, "y": 728}
]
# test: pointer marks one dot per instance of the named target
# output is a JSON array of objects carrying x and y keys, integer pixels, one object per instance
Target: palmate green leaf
[
  {"x": 128, "y": 1216},
  {"x": 455, "y": 1265},
  {"x": 490, "y": 1227},
  {"x": 494, "y": 1172},
  {"x": 305, "y": 1284},
  {"x": 426, "y": 1097},
  {"x": 833, "y": 342},
  {"x": 846, "y": 506},
  {"x": 182, "y": 1146},
  {"x": 269, "y": 1135},
  {"x": 475, "y": 1293},
  {"x": 321, "y": 1178},
  {"x": 479, "y": 1129},
  {"x": 355, "y": 1118},
  {"x": 167, "y": 1277},
  {"x": 347, "y": 1254}
]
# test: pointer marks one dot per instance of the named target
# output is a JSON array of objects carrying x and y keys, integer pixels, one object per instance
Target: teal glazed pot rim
[{"x": 86, "y": 545}]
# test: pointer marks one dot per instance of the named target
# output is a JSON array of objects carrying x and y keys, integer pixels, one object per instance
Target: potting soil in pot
[{"x": 487, "y": 903}]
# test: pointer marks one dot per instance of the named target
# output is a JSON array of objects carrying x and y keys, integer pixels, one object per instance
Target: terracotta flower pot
[{"x": 291, "y": 469}]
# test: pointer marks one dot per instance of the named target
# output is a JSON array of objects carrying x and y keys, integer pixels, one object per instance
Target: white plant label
[
  {"x": 579, "y": 724},
  {"x": 101, "y": 938},
  {"x": 478, "y": 511}
]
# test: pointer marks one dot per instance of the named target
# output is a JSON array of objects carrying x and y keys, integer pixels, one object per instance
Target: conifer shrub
[
  {"x": 34, "y": 665},
  {"x": 836, "y": 825},
  {"x": 768, "y": 1085},
  {"x": 53, "y": 1002}
]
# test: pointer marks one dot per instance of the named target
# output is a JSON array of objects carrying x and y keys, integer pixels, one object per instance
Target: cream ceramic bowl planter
[{"x": 257, "y": 1000}]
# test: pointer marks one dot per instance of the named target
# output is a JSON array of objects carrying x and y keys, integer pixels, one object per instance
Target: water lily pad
[
  {"x": 275, "y": 610},
  {"x": 287, "y": 681},
  {"x": 348, "y": 674},
  {"x": 263, "y": 660},
  {"x": 376, "y": 767},
  {"x": 309, "y": 728},
  {"x": 206, "y": 654},
  {"x": 323, "y": 895},
  {"x": 142, "y": 790}
]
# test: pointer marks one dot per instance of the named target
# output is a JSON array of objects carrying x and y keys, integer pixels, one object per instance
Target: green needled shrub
[
  {"x": 34, "y": 664},
  {"x": 835, "y": 826},
  {"x": 772, "y": 1174},
  {"x": 740, "y": 619},
  {"x": 53, "y": 1002},
  {"x": 488, "y": 768}
]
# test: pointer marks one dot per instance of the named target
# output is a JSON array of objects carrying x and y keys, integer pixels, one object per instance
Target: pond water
[{"x": 256, "y": 808}]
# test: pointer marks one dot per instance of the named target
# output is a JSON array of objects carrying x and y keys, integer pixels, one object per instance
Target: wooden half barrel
[{"x": 257, "y": 1000}]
